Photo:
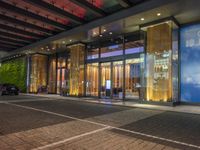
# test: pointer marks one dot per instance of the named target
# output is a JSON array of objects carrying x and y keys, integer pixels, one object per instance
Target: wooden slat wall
[{"x": 159, "y": 38}]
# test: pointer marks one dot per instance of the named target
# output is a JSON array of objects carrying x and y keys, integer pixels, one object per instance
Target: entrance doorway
[
  {"x": 61, "y": 82},
  {"x": 115, "y": 79},
  {"x": 106, "y": 80},
  {"x": 112, "y": 80}
]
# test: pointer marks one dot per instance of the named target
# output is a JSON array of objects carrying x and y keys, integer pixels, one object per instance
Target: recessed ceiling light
[
  {"x": 104, "y": 30},
  {"x": 110, "y": 33},
  {"x": 158, "y": 14},
  {"x": 142, "y": 19},
  {"x": 70, "y": 40}
]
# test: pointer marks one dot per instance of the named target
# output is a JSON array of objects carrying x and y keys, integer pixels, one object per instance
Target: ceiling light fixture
[
  {"x": 110, "y": 33},
  {"x": 63, "y": 42},
  {"x": 104, "y": 30},
  {"x": 158, "y": 14},
  {"x": 100, "y": 35},
  {"x": 142, "y": 19}
]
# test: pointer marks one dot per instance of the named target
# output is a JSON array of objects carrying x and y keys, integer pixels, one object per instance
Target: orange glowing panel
[
  {"x": 70, "y": 7},
  {"x": 97, "y": 3}
]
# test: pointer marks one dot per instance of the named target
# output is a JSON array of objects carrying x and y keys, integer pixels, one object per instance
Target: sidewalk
[{"x": 179, "y": 108}]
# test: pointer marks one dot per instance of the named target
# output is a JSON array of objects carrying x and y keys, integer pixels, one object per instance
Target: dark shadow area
[
  {"x": 74, "y": 108},
  {"x": 15, "y": 119},
  {"x": 170, "y": 125}
]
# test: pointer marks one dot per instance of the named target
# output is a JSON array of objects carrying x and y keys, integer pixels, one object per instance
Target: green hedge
[{"x": 14, "y": 72}]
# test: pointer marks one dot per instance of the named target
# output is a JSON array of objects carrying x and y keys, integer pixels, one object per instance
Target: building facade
[{"x": 151, "y": 65}]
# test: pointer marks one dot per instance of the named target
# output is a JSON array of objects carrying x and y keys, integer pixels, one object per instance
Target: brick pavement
[{"x": 25, "y": 129}]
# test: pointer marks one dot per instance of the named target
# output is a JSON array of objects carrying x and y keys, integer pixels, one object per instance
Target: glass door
[
  {"x": 117, "y": 80},
  {"x": 106, "y": 80},
  {"x": 92, "y": 80},
  {"x": 132, "y": 78},
  {"x": 58, "y": 81}
]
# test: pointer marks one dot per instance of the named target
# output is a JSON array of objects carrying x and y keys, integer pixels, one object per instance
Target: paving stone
[{"x": 26, "y": 129}]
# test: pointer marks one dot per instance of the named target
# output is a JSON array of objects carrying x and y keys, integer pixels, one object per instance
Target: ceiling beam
[
  {"x": 13, "y": 41},
  {"x": 25, "y": 24},
  {"x": 88, "y": 6},
  {"x": 23, "y": 12},
  {"x": 7, "y": 46},
  {"x": 10, "y": 43},
  {"x": 10, "y": 35},
  {"x": 20, "y": 31},
  {"x": 53, "y": 9},
  {"x": 132, "y": 11},
  {"x": 124, "y": 3},
  {"x": 5, "y": 49}
]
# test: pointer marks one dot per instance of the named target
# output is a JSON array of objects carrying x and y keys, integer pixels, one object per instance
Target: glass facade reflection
[
  {"x": 113, "y": 50},
  {"x": 160, "y": 74},
  {"x": 92, "y": 79},
  {"x": 133, "y": 87},
  {"x": 117, "y": 79},
  {"x": 105, "y": 80},
  {"x": 140, "y": 66}
]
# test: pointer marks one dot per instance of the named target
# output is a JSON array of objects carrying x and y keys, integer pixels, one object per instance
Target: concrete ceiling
[{"x": 184, "y": 11}]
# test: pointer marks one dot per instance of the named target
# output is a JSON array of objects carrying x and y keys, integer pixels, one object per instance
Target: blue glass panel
[{"x": 190, "y": 63}]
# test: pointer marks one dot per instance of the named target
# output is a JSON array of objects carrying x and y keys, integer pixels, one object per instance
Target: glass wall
[
  {"x": 77, "y": 62},
  {"x": 38, "y": 75},
  {"x": 113, "y": 50},
  {"x": 117, "y": 79},
  {"x": 133, "y": 73},
  {"x": 52, "y": 75},
  {"x": 93, "y": 53},
  {"x": 159, "y": 52},
  {"x": 105, "y": 80},
  {"x": 92, "y": 79},
  {"x": 61, "y": 74},
  {"x": 133, "y": 47}
]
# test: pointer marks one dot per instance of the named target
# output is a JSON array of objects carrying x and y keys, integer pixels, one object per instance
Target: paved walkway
[
  {"x": 179, "y": 108},
  {"x": 54, "y": 123}
]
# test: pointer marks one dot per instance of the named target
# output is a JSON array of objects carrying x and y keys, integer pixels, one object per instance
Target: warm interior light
[
  {"x": 100, "y": 35},
  {"x": 63, "y": 42},
  {"x": 110, "y": 33},
  {"x": 142, "y": 19},
  {"x": 104, "y": 30},
  {"x": 158, "y": 14},
  {"x": 70, "y": 40}
]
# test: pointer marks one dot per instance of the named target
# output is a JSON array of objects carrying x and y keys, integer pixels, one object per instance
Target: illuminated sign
[{"x": 190, "y": 60}]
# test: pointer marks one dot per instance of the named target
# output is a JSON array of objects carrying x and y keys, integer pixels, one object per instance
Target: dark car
[{"x": 9, "y": 89}]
